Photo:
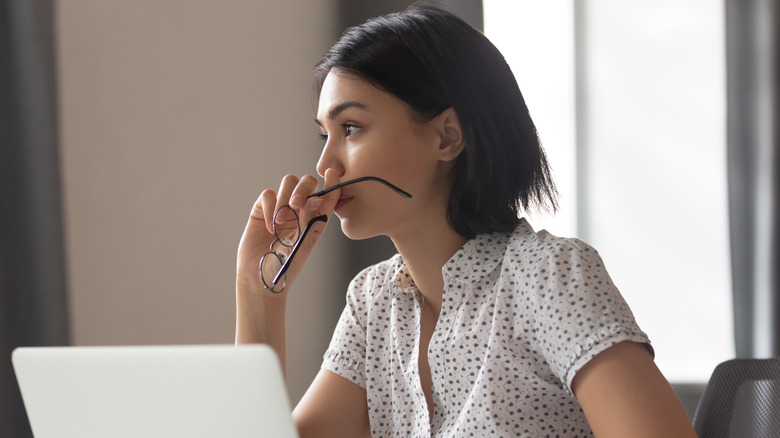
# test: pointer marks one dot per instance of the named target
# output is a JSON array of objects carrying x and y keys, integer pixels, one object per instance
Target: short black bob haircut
[{"x": 433, "y": 60}]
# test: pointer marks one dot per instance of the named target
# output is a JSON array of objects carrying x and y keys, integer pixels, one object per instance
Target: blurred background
[{"x": 135, "y": 136}]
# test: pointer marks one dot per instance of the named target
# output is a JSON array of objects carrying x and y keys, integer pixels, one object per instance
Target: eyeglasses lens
[
  {"x": 269, "y": 267},
  {"x": 287, "y": 234}
]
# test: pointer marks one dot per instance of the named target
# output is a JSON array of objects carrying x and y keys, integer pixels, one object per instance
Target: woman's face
[{"x": 369, "y": 132}]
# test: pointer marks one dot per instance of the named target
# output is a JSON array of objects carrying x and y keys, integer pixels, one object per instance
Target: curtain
[
  {"x": 753, "y": 146},
  {"x": 33, "y": 299}
]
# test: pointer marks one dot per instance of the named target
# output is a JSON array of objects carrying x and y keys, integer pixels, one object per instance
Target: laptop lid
[{"x": 154, "y": 391}]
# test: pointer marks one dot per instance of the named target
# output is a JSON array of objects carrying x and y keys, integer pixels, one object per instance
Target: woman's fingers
[
  {"x": 306, "y": 186},
  {"x": 266, "y": 214},
  {"x": 257, "y": 237},
  {"x": 267, "y": 203},
  {"x": 305, "y": 206},
  {"x": 289, "y": 182},
  {"x": 295, "y": 193},
  {"x": 318, "y": 205},
  {"x": 330, "y": 200}
]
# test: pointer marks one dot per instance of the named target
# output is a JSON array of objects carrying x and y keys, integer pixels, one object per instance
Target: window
[{"x": 638, "y": 152}]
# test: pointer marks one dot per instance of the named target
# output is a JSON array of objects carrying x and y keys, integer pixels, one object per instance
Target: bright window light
[
  {"x": 652, "y": 155},
  {"x": 537, "y": 41}
]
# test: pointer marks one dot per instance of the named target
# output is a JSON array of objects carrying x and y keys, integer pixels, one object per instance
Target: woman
[{"x": 479, "y": 326}]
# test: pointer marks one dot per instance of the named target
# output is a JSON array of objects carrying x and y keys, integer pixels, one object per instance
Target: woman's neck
[{"x": 425, "y": 254}]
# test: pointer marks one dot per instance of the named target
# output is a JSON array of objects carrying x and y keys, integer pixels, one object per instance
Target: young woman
[{"x": 479, "y": 326}]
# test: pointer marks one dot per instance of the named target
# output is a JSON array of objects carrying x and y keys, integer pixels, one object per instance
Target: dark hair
[{"x": 433, "y": 60}]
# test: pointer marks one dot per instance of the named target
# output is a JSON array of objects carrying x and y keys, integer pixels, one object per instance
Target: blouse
[{"x": 521, "y": 313}]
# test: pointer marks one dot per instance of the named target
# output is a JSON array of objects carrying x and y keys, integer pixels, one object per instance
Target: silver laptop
[{"x": 157, "y": 391}]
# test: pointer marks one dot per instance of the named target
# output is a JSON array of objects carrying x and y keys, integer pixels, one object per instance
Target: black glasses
[
  {"x": 357, "y": 180},
  {"x": 274, "y": 264}
]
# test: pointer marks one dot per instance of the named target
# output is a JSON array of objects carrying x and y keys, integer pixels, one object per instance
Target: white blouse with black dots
[{"x": 521, "y": 314}]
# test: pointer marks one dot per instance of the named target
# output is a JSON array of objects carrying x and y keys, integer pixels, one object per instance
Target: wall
[{"x": 175, "y": 114}]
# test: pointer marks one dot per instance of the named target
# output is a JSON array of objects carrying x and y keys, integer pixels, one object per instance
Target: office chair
[{"x": 742, "y": 399}]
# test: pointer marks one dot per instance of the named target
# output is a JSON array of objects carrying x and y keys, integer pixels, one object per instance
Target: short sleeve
[
  {"x": 347, "y": 350},
  {"x": 579, "y": 312}
]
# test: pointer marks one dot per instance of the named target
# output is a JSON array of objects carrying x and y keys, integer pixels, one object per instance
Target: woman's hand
[
  {"x": 259, "y": 232},
  {"x": 261, "y": 315}
]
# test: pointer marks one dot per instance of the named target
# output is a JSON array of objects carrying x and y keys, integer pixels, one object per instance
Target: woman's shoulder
[
  {"x": 546, "y": 263},
  {"x": 528, "y": 244},
  {"x": 517, "y": 252}
]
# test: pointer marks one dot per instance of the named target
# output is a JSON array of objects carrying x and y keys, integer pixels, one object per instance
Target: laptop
[{"x": 154, "y": 391}]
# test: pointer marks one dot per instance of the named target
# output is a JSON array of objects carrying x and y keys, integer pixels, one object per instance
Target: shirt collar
[
  {"x": 402, "y": 279},
  {"x": 476, "y": 260},
  {"x": 480, "y": 256}
]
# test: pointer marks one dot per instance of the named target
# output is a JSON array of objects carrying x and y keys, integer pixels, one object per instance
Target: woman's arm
[
  {"x": 260, "y": 314},
  {"x": 623, "y": 394},
  {"x": 261, "y": 317},
  {"x": 332, "y": 407}
]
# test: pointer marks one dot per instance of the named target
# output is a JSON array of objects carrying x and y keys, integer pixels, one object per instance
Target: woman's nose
[{"x": 329, "y": 160}]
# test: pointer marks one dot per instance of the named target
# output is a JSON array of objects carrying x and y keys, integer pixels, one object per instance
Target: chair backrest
[{"x": 742, "y": 399}]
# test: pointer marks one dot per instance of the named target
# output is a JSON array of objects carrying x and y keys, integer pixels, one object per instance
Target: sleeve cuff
[
  {"x": 338, "y": 363},
  {"x": 596, "y": 342}
]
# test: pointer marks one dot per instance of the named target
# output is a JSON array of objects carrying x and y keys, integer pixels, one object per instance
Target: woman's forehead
[
  {"x": 342, "y": 88},
  {"x": 340, "y": 85}
]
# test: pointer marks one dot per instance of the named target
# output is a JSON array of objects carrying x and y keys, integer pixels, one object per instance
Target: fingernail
[
  {"x": 281, "y": 216},
  {"x": 296, "y": 201},
  {"x": 314, "y": 204}
]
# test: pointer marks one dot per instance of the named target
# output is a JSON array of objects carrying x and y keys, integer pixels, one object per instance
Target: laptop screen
[{"x": 154, "y": 391}]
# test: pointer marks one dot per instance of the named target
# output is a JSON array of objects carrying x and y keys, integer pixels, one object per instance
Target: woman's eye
[
  {"x": 350, "y": 129},
  {"x": 323, "y": 137}
]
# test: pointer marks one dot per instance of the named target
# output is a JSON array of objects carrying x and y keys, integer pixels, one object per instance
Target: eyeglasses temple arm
[
  {"x": 289, "y": 259},
  {"x": 361, "y": 179}
]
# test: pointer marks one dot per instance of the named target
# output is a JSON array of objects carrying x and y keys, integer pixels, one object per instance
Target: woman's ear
[{"x": 451, "y": 135}]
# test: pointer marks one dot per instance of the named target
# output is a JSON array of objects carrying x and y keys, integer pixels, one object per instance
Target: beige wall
[{"x": 175, "y": 114}]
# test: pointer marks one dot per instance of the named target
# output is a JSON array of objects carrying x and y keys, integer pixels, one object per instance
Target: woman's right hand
[{"x": 259, "y": 232}]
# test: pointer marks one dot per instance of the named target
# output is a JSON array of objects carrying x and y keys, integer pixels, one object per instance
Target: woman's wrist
[
  {"x": 255, "y": 290},
  {"x": 260, "y": 315}
]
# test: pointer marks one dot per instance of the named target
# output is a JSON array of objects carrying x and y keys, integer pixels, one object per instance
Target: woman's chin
[{"x": 353, "y": 231}]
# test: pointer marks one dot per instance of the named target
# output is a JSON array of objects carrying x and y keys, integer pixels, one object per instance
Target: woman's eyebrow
[{"x": 334, "y": 111}]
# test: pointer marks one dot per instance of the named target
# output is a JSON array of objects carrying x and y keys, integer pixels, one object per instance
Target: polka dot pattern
[{"x": 521, "y": 314}]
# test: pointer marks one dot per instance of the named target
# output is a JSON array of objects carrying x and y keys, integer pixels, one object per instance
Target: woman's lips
[{"x": 344, "y": 200}]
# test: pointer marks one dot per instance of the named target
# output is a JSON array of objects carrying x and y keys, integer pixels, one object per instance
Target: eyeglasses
[{"x": 274, "y": 264}]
